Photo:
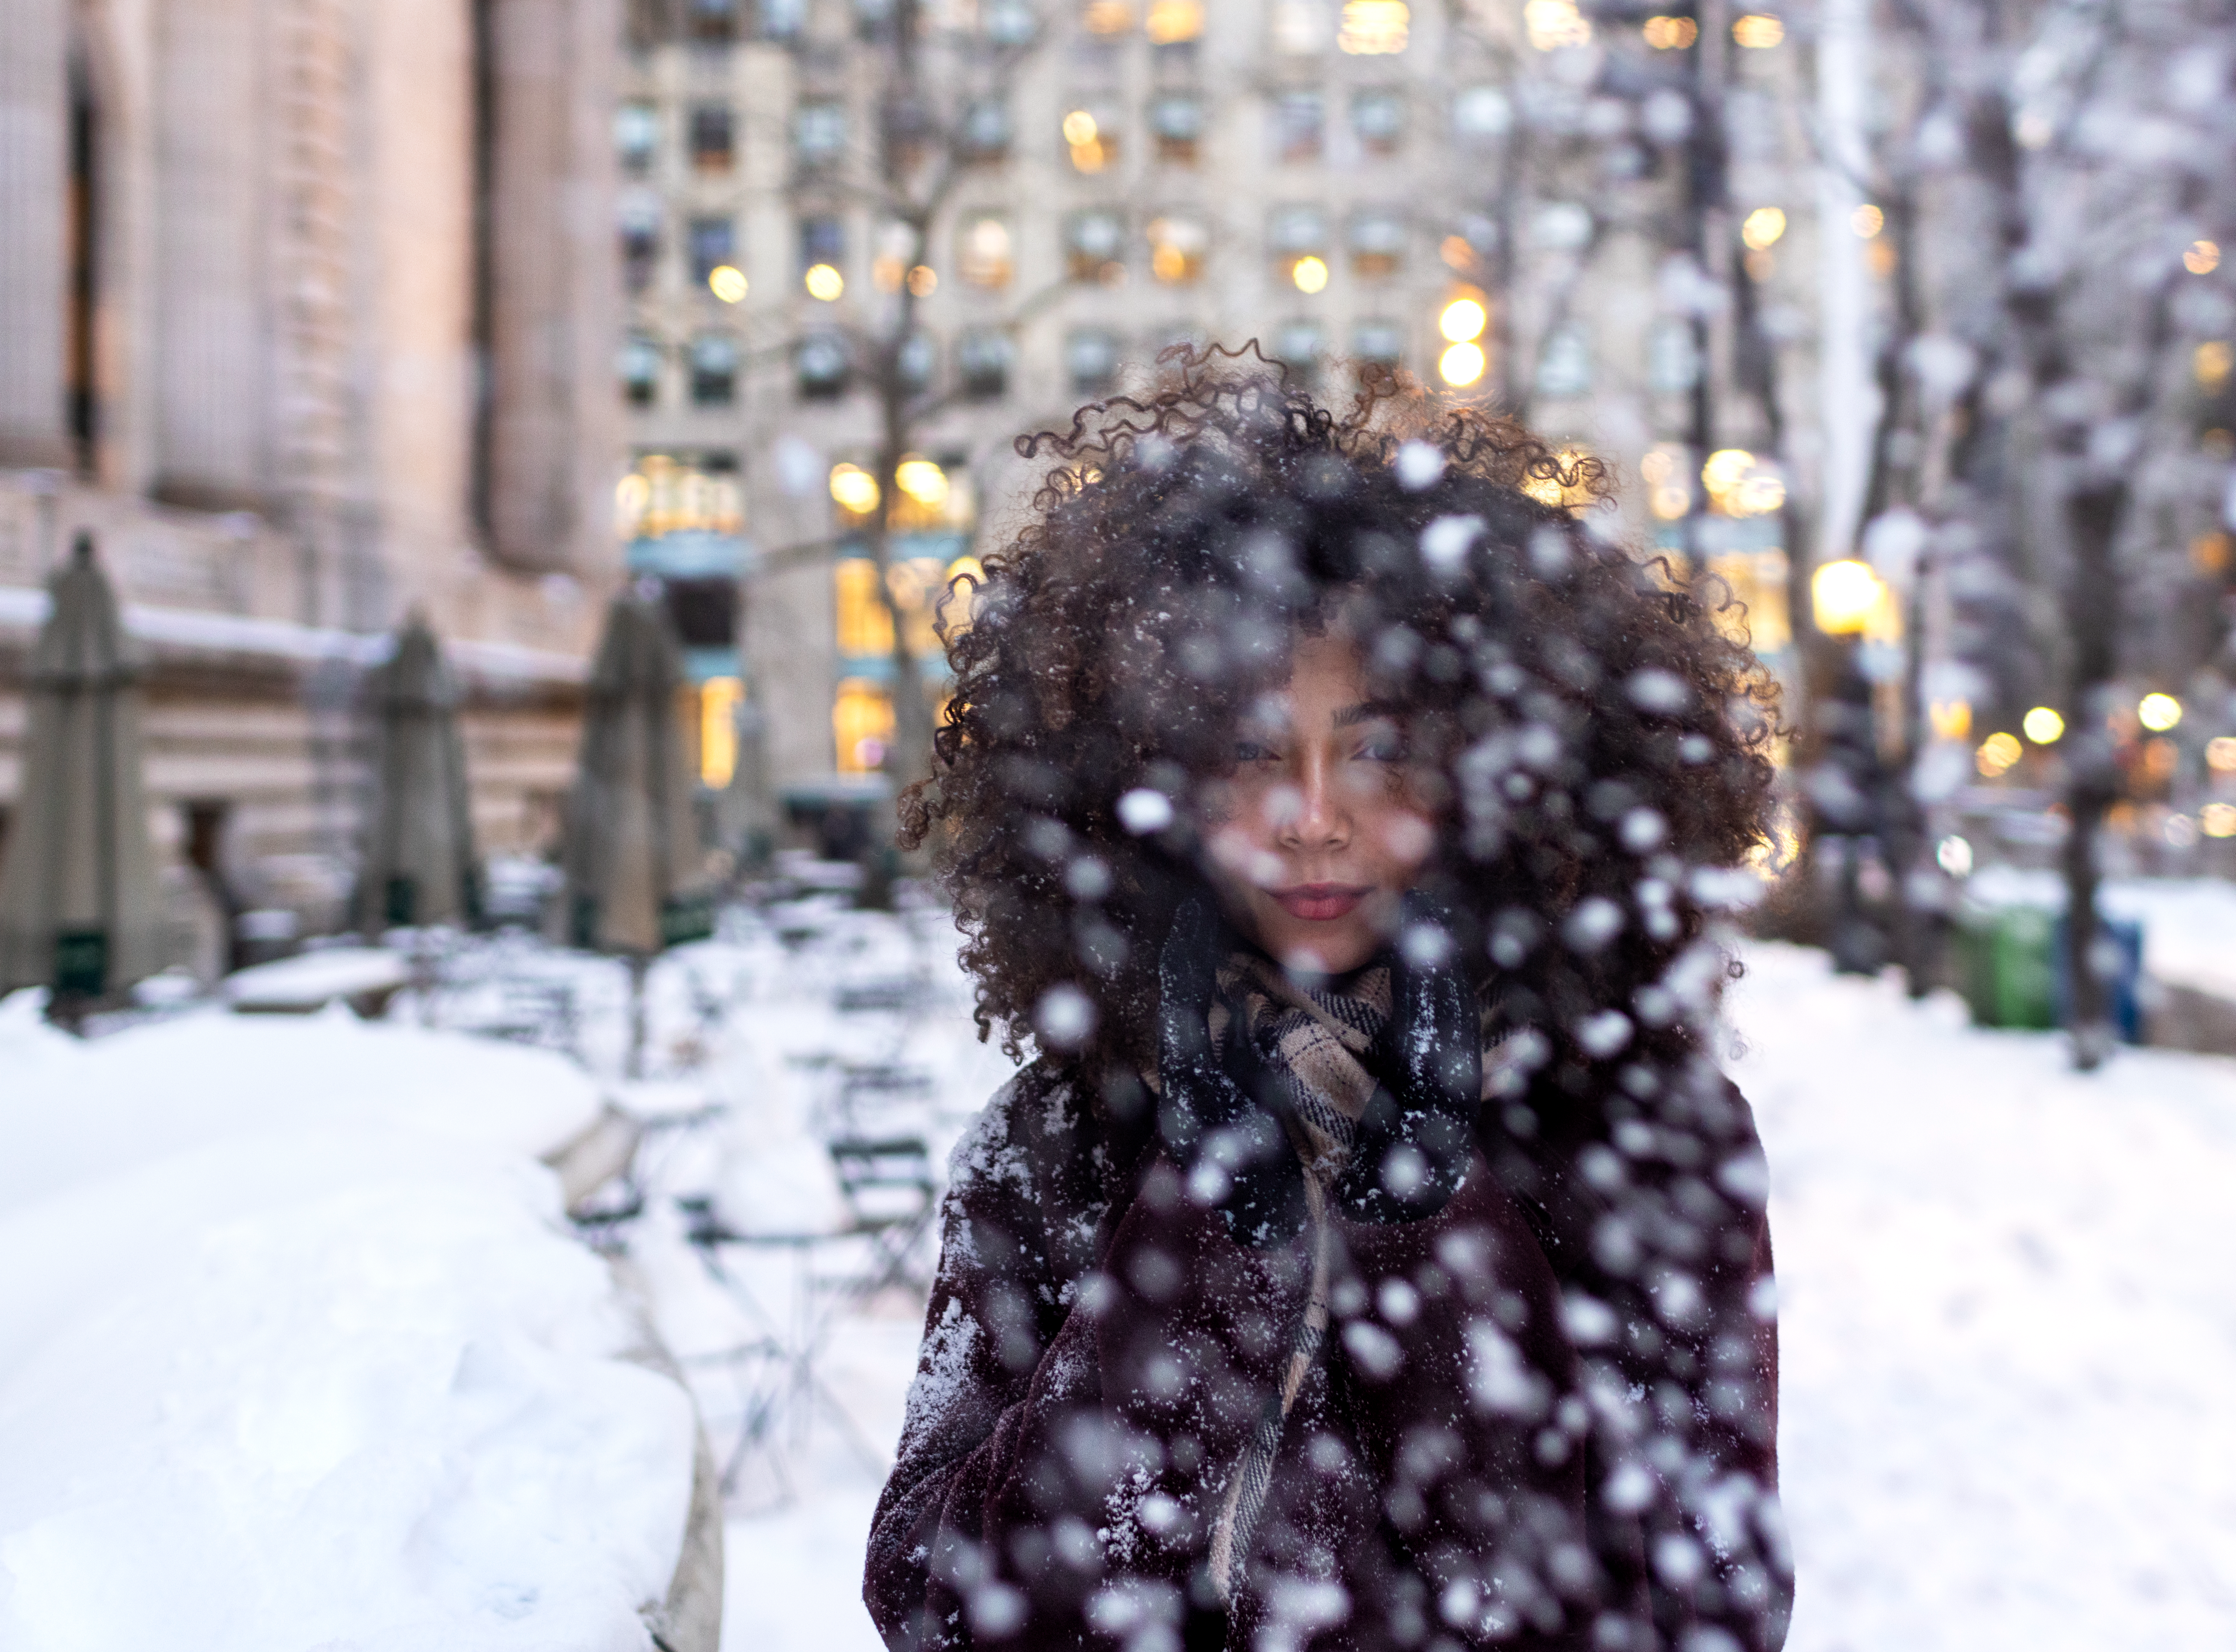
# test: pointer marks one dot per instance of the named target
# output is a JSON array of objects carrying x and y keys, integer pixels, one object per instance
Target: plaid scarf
[{"x": 1313, "y": 1043}]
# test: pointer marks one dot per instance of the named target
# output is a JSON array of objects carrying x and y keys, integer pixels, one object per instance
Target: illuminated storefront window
[{"x": 861, "y": 726}]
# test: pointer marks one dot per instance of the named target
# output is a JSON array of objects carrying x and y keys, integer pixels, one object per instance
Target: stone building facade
[
  {"x": 306, "y": 312},
  {"x": 1326, "y": 177}
]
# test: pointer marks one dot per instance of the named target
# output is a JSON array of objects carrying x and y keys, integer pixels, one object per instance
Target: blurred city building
[
  {"x": 306, "y": 312},
  {"x": 1603, "y": 227}
]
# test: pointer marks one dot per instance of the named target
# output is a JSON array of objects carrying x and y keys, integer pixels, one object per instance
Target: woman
[{"x": 1372, "y": 1256}]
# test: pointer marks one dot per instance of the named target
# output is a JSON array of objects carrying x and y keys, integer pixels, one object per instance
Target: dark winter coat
[{"x": 1484, "y": 1454}]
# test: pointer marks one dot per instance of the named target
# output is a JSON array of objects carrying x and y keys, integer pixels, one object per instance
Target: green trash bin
[{"x": 2007, "y": 966}]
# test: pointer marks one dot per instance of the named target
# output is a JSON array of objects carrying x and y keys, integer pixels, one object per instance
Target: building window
[
  {"x": 918, "y": 355},
  {"x": 1174, "y": 22},
  {"x": 640, "y": 370},
  {"x": 1095, "y": 245},
  {"x": 712, "y": 22},
  {"x": 1297, "y": 230},
  {"x": 713, "y": 242},
  {"x": 713, "y": 369},
  {"x": 1090, "y": 356},
  {"x": 1089, "y": 130},
  {"x": 640, "y": 235},
  {"x": 782, "y": 19},
  {"x": 1105, "y": 19},
  {"x": 1473, "y": 239},
  {"x": 712, "y": 139},
  {"x": 1176, "y": 121},
  {"x": 1377, "y": 244},
  {"x": 1375, "y": 28},
  {"x": 862, "y": 723},
  {"x": 1302, "y": 28},
  {"x": 1378, "y": 344},
  {"x": 1565, "y": 367},
  {"x": 984, "y": 254},
  {"x": 986, "y": 129},
  {"x": 1377, "y": 119},
  {"x": 818, "y": 134},
  {"x": 1008, "y": 23},
  {"x": 983, "y": 358},
  {"x": 821, "y": 364},
  {"x": 1300, "y": 124},
  {"x": 1178, "y": 242},
  {"x": 1481, "y": 117},
  {"x": 822, "y": 241},
  {"x": 680, "y": 493},
  {"x": 1297, "y": 346},
  {"x": 636, "y": 135}
]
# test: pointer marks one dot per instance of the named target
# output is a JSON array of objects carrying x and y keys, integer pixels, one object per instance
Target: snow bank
[{"x": 296, "y": 1351}]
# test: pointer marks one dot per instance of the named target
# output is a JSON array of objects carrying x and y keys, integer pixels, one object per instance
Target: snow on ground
[
  {"x": 297, "y": 1351},
  {"x": 2009, "y": 1336}
]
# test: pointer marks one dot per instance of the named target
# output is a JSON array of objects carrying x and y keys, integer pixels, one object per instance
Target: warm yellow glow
[
  {"x": 986, "y": 259},
  {"x": 1657, "y": 467},
  {"x": 2212, "y": 361},
  {"x": 1671, "y": 504},
  {"x": 664, "y": 496},
  {"x": 923, "y": 280},
  {"x": 1463, "y": 320},
  {"x": 885, "y": 273},
  {"x": 1740, "y": 485},
  {"x": 2219, "y": 820},
  {"x": 2159, "y": 712},
  {"x": 1456, "y": 251},
  {"x": 1671, "y": 34},
  {"x": 825, "y": 282},
  {"x": 1843, "y": 595},
  {"x": 864, "y": 628},
  {"x": 861, "y": 726},
  {"x": 1757, "y": 614},
  {"x": 1867, "y": 220},
  {"x": 1566, "y": 486},
  {"x": 854, "y": 488},
  {"x": 1763, "y": 227},
  {"x": 1758, "y": 29},
  {"x": 1998, "y": 754},
  {"x": 1462, "y": 365},
  {"x": 718, "y": 729},
  {"x": 1109, "y": 17},
  {"x": 1176, "y": 248},
  {"x": 1375, "y": 28},
  {"x": 1554, "y": 23},
  {"x": 1310, "y": 274},
  {"x": 2042, "y": 726},
  {"x": 923, "y": 481},
  {"x": 631, "y": 494},
  {"x": 2202, "y": 258},
  {"x": 1089, "y": 157},
  {"x": 1951, "y": 719},
  {"x": 1078, "y": 128},
  {"x": 727, "y": 282},
  {"x": 1174, "y": 20},
  {"x": 2220, "y": 754}
]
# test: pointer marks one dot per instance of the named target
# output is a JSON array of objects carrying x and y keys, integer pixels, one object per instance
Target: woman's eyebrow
[{"x": 1365, "y": 711}]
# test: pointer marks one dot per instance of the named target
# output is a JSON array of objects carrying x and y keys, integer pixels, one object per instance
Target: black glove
[
  {"x": 1417, "y": 1133},
  {"x": 1215, "y": 1116}
]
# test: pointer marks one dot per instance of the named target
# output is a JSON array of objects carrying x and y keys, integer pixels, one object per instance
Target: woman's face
[{"x": 1316, "y": 834}]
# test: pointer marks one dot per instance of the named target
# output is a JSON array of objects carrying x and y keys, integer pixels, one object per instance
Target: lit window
[
  {"x": 1377, "y": 244},
  {"x": 1671, "y": 34},
  {"x": 640, "y": 370},
  {"x": 984, "y": 257},
  {"x": 1094, "y": 245},
  {"x": 1178, "y": 242},
  {"x": 1090, "y": 357},
  {"x": 1176, "y": 120},
  {"x": 1377, "y": 118},
  {"x": 1374, "y": 28},
  {"x": 1172, "y": 21},
  {"x": 1300, "y": 124},
  {"x": 982, "y": 357},
  {"x": 713, "y": 369},
  {"x": 861, "y": 724},
  {"x": 713, "y": 242},
  {"x": 718, "y": 700},
  {"x": 822, "y": 364},
  {"x": 712, "y": 138},
  {"x": 1552, "y": 25},
  {"x": 636, "y": 135},
  {"x": 1090, "y": 135},
  {"x": 1301, "y": 27},
  {"x": 1482, "y": 115},
  {"x": 672, "y": 493},
  {"x": 865, "y": 625},
  {"x": 1106, "y": 18},
  {"x": 1758, "y": 30},
  {"x": 819, "y": 132},
  {"x": 1763, "y": 227},
  {"x": 1998, "y": 754}
]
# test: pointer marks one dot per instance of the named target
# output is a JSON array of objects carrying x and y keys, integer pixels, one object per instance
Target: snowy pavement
[{"x": 2010, "y": 1326}]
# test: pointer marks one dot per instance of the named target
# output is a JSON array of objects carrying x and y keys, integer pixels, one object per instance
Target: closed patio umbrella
[
  {"x": 635, "y": 864},
  {"x": 419, "y": 865},
  {"x": 79, "y": 911}
]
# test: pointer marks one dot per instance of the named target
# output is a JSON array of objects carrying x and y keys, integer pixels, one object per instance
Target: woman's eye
[
  {"x": 1246, "y": 751},
  {"x": 1386, "y": 748}
]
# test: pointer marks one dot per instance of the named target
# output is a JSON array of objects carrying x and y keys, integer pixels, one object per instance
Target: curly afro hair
[{"x": 1591, "y": 742}]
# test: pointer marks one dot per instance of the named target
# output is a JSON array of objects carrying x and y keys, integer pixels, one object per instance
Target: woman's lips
[{"x": 1320, "y": 903}]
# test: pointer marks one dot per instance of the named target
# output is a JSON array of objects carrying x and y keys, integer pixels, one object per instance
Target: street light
[
  {"x": 2159, "y": 712},
  {"x": 2042, "y": 726},
  {"x": 825, "y": 282},
  {"x": 1462, "y": 365},
  {"x": 855, "y": 489},
  {"x": 1463, "y": 321},
  {"x": 1844, "y": 595}
]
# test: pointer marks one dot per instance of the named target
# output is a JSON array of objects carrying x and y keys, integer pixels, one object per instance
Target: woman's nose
[{"x": 1315, "y": 817}]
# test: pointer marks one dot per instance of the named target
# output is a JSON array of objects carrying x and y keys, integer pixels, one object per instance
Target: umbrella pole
[{"x": 639, "y": 964}]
